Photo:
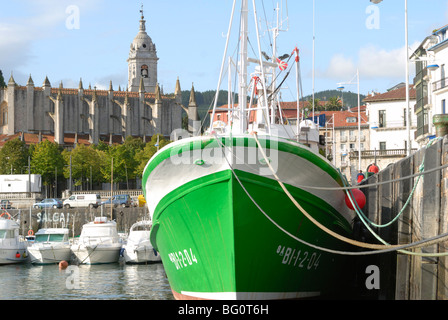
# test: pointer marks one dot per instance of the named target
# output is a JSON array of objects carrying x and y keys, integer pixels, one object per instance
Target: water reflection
[{"x": 109, "y": 281}]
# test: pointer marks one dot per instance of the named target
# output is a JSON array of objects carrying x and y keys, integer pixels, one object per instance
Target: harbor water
[{"x": 117, "y": 281}]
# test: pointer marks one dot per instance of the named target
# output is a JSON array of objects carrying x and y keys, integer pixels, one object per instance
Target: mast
[
  {"x": 222, "y": 67},
  {"x": 242, "y": 87},
  {"x": 274, "y": 54}
]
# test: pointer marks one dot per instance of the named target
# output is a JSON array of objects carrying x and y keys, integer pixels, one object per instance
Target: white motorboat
[
  {"x": 12, "y": 245},
  {"x": 50, "y": 246},
  {"x": 138, "y": 248},
  {"x": 98, "y": 243}
]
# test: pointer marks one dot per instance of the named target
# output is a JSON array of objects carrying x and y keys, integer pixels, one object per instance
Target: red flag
[{"x": 281, "y": 64}]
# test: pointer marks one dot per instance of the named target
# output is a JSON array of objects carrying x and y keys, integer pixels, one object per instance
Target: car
[
  {"x": 5, "y": 204},
  {"x": 48, "y": 203},
  {"x": 90, "y": 200},
  {"x": 122, "y": 200}
]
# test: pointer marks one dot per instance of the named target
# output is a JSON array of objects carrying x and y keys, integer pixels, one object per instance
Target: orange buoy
[
  {"x": 358, "y": 197},
  {"x": 63, "y": 264}
]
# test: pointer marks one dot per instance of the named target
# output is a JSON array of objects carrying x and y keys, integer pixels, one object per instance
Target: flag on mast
[{"x": 281, "y": 64}]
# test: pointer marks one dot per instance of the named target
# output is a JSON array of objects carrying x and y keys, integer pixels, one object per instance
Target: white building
[
  {"x": 431, "y": 83},
  {"x": 387, "y": 124}
]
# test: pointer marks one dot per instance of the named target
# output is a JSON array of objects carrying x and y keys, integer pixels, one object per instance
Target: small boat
[
  {"x": 12, "y": 245},
  {"x": 138, "y": 248},
  {"x": 50, "y": 246},
  {"x": 98, "y": 243}
]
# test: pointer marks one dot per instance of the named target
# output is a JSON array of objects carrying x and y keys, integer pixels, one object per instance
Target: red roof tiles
[{"x": 397, "y": 94}]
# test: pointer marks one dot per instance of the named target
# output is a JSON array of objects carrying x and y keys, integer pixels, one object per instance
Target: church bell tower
[{"x": 142, "y": 62}]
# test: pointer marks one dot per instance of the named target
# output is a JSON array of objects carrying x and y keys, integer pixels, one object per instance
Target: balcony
[
  {"x": 421, "y": 131},
  {"x": 440, "y": 84},
  {"x": 390, "y": 153}
]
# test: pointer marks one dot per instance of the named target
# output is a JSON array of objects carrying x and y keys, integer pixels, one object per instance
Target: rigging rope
[
  {"x": 363, "y": 218},
  {"x": 380, "y": 248}
]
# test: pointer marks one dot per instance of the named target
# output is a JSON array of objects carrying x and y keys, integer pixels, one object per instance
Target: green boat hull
[{"x": 215, "y": 243}]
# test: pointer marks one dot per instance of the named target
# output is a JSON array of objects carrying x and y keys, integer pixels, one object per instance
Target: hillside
[
  {"x": 204, "y": 100},
  {"x": 350, "y": 98}
]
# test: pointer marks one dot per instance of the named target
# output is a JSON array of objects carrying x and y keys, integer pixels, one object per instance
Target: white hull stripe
[{"x": 250, "y": 295}]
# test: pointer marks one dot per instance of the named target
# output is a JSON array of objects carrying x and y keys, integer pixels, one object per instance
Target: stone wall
[{"x": 74, "y": 219}]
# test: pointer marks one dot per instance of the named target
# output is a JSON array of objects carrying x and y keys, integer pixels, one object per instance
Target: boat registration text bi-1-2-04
[
  {"x": 182, "y": 258},
  {"x": 305, "y": 259}
]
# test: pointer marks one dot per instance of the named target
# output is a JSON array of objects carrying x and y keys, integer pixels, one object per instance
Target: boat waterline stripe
[
  {"x": 210, "y": 142},
  {"x": 250, "y": 295}
]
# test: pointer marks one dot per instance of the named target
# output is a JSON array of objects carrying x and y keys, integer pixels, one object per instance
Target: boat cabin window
[
  {"x": 6, "y": 234},
  {"x": 51, "y": 237}
]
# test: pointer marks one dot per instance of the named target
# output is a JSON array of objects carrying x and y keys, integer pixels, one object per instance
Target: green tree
[
  {"x": 14, "y": 157},
  {"x": 47, "y": 161},
  {"x": 86, "y": 165},
  {"x": 150, "y": 149},
  {"x": 334, "y": 104},
  {"x": 2, "y": 80}
]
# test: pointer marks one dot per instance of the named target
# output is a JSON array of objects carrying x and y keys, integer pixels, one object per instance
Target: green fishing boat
[{"x": 223, "y": 209}]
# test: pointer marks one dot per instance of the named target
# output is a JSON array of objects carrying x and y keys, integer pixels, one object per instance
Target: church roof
[{"x": 89, "y": 92}]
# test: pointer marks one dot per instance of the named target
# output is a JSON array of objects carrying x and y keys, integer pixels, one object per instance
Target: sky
[{"x": 67, "y": 40}]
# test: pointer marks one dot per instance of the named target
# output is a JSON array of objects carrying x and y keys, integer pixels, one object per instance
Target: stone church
[{"x": 85, "y": 115}]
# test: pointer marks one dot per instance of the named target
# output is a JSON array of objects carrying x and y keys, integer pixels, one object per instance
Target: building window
[
  {"x": 404, "y": 117},
  {"x": 383, "y": 145},
  {"x": 4, "y": 114},
  {"x": 351, "y": 119},
  {"x": 443, "y": 106},
  {"x": 442, "y": 76},
  {"x": 381, "y": 118}
]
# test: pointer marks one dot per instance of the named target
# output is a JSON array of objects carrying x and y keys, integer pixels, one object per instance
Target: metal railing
[
  {"x": 381, "y": 153},
  {"x": 440, "y": 84}
]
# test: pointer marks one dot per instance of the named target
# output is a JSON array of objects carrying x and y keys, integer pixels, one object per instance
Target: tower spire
[{"x": 142, "y": 20}]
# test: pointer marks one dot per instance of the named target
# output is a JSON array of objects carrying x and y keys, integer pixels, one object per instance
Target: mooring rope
[
  {"x": 318, "y": 224},
  {"x": 363, "y": 217},
  {"x": 381, "y": 248},
  {"x": 358, "y": 210}
]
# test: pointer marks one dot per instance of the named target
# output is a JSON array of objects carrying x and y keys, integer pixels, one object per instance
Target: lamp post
[
  {"x": 408, "y": 109},
  {"x": 340, "y": 88}
]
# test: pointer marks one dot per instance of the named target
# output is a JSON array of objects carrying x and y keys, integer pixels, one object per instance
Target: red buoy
[
  {"x": 63, "y": 265},
  {"x": 358, "y": 197}
]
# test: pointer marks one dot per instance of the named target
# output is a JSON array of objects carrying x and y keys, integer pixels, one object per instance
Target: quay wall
[
  {"x": 404, "y": 276},
  {"x": 75, "y": 218}
]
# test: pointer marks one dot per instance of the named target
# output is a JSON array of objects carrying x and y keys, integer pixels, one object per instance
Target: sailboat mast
[{"x": 242, "y": 92}]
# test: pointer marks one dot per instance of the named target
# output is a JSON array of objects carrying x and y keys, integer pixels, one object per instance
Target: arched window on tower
[
  {"x": 4, "y": 114},
  {"x": 144, "y": 71}
]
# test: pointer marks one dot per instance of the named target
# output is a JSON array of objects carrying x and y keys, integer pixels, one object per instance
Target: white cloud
[
  {"x": 340, "y": 67},
  {"x": 373, "y": 63},
  {"x": 46, "y": 20}
]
